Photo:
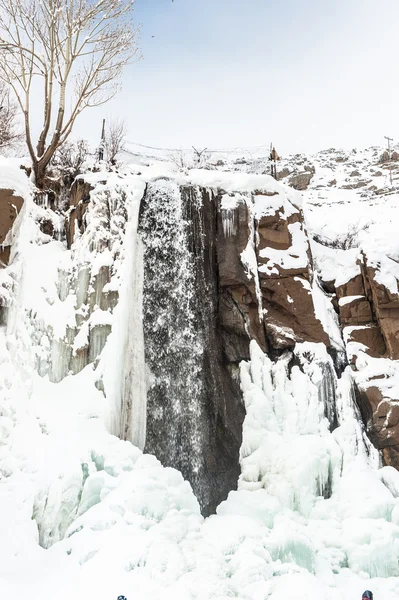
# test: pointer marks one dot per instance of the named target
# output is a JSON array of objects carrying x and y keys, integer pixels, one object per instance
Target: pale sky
[{"x": 305, "y": 74}]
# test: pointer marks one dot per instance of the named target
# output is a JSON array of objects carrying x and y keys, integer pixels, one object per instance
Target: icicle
[{"x": 229, "y": 221}]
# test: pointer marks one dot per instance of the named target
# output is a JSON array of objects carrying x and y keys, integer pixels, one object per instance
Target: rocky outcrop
[
  {"x": 385, "y": 306},
  {"x": 367, "y": 304},
  {"x": 369, "y": 314},
  {"x": 273, "y": 304},
  {"x": 79, "y": 197},
  {"x": 300, "y": 181},
  {"x": 10, "y": 206},
  {"x": 381, "y": 415}
]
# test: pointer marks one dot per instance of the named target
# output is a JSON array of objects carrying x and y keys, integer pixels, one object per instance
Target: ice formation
[{"x": 86, "y": 514}]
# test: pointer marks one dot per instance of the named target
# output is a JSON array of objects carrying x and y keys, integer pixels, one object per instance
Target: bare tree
[
  {"x": 69, "y": 158},
  {"x": 201, "y": 157},
  {"x": 10, "y": 137},
  {"x": 180, "y": 159},
  {"x": 115, "y": 137},
  {"x": 72, "y": 50}
]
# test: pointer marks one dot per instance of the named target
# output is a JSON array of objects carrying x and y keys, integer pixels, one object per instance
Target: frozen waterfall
[
  {"x": 174, "y": 341},
  {"x": 114, "y": 341}
]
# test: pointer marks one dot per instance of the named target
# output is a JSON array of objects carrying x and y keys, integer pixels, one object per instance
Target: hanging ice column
[
  {"x": 288, "y": 448},
  {"x": 124, "y": 383},
  {"x": 134, "y": 394}
]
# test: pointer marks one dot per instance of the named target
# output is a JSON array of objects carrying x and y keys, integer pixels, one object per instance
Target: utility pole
[
  {"x": 102, "y": 143},
  {"x": 389, "y": 140}
]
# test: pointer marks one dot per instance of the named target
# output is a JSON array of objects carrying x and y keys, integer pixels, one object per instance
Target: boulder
[{"x": 301, "y": 181}]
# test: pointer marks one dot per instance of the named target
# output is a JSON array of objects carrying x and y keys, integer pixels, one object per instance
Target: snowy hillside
[{"x": 89, "y": 340}]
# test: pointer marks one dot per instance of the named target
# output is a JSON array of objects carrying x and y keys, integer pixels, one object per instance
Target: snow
[
  {"x": 326, "y": 314},
  {"x": 85, "y": 514},
  {"x": 335, "y": 265},
  {"x": 349, "y": 299}
]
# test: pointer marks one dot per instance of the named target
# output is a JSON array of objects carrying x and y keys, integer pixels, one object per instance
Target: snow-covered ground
[{"x": 84, "y": 514}]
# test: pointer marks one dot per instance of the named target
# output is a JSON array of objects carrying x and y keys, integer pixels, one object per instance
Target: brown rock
[
  {"x": 78, "y": 200},
  {"x": 385, "y": 308},
  {"x": 390, "y": 456},
  {"x": 371, "y": 337},
  {"x": 233, "y": 233},
  {"x": 47, "y": 227},
  {"x": 289, "y": 315},
  {"x": 353, "y": 287},
  {"x": 10, "y": 207},
  {"x": 300, "y": 181},
  {"x": 273, "y": 232},
  {"x": 283, "y": 173},
  {"x": 239, "y": 316},
  {"x": 287, "y": 306},
  {"x": 5, "y": 255},
  {"x": 356, "y": 312},
  {"x": 381, "y": 416}
]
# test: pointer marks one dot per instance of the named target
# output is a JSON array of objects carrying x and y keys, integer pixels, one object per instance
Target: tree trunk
[
  {"x": 41, "y": 143},
  {"x": 40, "y": 175}
]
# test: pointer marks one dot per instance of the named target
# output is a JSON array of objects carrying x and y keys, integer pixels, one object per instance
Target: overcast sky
[{"x": 305, "y": 74}]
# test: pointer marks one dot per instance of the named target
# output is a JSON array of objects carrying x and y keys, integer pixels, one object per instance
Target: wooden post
[
  {"x": 102, "y": 143},
  {"x": 273, "y": 157}
]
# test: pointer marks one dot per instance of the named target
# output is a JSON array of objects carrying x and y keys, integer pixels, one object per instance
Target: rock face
[
  {"x": 78, "y": 201},
  {"x": 369, "y": 314},
  {"x": 264, "y": 273},
  {"x": 260, "y": 280},
  {"x": 220, "y": 269},
  {"x": 10, "y": 207}
]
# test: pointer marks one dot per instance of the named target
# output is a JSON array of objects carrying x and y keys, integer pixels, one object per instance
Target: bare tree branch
[
  {"x": 10, "y": 137},
  {"x": 115, "y": 137},
  {"x": 75, "y": 50}
]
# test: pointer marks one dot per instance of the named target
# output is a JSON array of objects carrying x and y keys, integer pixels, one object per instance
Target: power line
[{"x": 210, "y": 150}]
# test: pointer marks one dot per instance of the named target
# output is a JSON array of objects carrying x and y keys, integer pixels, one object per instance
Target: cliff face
[
  {"x": 220, "y": 269},
  {"x": 265, "y": 272},
  {"x": 351, "y": 213},
  {"x": 195, "y": 411},
  {"x": 220, "y": 260},
  {"x": 369, "y": 314},
  {"x": 260, "y": 274}
]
